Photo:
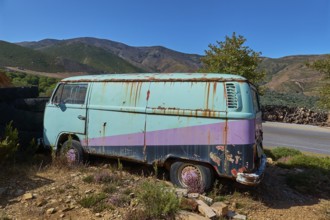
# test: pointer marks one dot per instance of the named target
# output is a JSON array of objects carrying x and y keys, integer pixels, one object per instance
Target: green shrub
[
  {"x": 92, "y": 200},
  {"x": 9, "y": 145},
  {"x": 158, "y": 200},
  {"x": 281, "y": 152},
  {"x": 305, "y": 161},
  {"x": 88, "y": 179}
]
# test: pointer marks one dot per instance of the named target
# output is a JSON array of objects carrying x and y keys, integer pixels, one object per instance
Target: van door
[{"x": 66, "y": 112}]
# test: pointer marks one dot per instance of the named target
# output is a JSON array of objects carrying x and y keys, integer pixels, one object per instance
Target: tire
[
  {"x": 180, "y": 170},
  {"x": 72, "y": 152}
]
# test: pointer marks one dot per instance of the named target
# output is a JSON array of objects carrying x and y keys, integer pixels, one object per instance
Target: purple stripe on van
[{"x": 238, "y": 132}]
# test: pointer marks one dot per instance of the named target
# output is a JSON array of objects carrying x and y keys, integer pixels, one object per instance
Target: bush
[
  {"x": 94, "y": 201},
  {"x": 9, "y": 145},
  {"x": 281, "y": 152},
  {"x": 158, "y": 200}
]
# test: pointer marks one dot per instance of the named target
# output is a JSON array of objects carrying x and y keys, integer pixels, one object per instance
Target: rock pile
[
  {"x": 294, "y": 115},
  {"x": 205, "y": 206}
]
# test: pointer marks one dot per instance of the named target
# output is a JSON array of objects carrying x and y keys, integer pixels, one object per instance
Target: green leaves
[
  {"x": 323, "y": 66},
  {"x": 231, "y": 56}
]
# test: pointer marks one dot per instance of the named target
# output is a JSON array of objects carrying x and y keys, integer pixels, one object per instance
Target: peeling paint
[{"x": 215, "y": 158}]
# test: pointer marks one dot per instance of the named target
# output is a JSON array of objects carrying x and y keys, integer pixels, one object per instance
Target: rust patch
[
  {"x": 229, "y": 157},
  {"x": 220, "y": 147},
  {"x": 153, "y": 79},
  {"x": 207, "y": 95},
  {"x": 237, "y": 158},
  {"x": 215, "y": 158},
  {"x": 242, "y": 169},
  {"x": 234, "y": 172},
  {"x": 148, "y": 94}
]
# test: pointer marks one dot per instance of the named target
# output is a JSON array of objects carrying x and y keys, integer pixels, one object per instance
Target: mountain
[
  {"x": 92, "y": 56},
  {"x": 291, "y": 75},
  {"x": 26, "y": 58},
  {"x": 150, "y": 59}
]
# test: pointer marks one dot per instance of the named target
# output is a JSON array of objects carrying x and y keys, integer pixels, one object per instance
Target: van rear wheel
[
  {"x": 191, "y": 176},
  {"x": 72, "y": 152}
]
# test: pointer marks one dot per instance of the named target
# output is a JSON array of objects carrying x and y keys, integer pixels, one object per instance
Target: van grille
[{"x": 232, "y": 100}]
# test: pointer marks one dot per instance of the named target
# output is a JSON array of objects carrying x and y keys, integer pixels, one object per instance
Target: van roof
[{"x": 154, "y": 77}]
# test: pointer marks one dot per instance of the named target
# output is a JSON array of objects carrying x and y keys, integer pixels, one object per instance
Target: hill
[
  {"x": 26, "y": 58},
  {"x": 92, "y": 56},
  {"x": 150, "y": 59},
  {"x": 291, "y": 75}
]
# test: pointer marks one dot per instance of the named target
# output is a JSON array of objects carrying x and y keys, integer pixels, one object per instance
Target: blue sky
[{"x": 274, "y": 27}]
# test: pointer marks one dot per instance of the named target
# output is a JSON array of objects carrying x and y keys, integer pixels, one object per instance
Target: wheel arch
[{"x": 63, "y": 138}]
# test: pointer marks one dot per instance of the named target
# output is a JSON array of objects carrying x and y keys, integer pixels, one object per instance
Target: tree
[
  {"x": 323, "y": 66},
  {"x": 231, "y": 56}
]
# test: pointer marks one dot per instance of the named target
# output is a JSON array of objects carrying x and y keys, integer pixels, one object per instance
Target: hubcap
[
  {"x": 188, "y": 173},
  {"x": 71, "y": 156}
]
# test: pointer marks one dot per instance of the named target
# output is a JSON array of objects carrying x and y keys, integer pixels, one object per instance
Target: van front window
[{"x": 70, "y": 94}]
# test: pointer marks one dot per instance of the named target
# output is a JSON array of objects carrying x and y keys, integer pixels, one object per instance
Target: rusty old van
[{"x": 199, "y": 125}]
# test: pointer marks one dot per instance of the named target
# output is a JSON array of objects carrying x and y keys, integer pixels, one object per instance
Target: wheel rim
[{"x": 188, "y": 173}]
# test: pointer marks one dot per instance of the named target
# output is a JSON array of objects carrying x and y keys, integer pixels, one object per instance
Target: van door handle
[{"x": 81, "y": 117}]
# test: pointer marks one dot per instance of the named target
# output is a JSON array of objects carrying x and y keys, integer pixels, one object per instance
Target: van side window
[
  {"x": 70, "y": 94},
  {"x": 255, "y": 99}
]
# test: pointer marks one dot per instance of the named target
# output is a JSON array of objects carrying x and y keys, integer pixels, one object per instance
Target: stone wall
[{"x": 295, "y": 115}]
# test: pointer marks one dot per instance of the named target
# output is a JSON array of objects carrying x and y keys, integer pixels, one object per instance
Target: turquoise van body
[{"x": 204, "y": 120}]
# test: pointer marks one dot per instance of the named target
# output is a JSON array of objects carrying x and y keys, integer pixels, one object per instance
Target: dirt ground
[{"x": 54, "y": 192}]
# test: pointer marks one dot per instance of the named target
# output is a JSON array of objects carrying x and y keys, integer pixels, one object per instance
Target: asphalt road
[{"x": 302, "y": 137}]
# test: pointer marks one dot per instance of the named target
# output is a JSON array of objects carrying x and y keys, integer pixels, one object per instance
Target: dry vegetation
[{"x": 110, "y": 189}]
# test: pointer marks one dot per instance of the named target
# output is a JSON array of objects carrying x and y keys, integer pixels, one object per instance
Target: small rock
[
  {"x": 206, "y": 199},
  {"x": 220, "y": 208},
  {"x": 62, "y": 215},
  {"x": 98, "y": 215},
  {"x": 205, "y": 209},
  {"x": 193, "y": 195},
  {"x": 234, "y": 215},
  {"x": 27, "y": 196},
  {"x": 89, "y": 191},
  {"x": 270, "y": 160},
  {"x": 66, "y": 209},
  {"x": 181, "y": 192},
  {"x": 50, "y": 211},
  {"x": 41, "y": 202}
]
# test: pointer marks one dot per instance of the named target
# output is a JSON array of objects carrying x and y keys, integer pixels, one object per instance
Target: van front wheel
[
  {"x": 72, "y": 152},
  {"x": 191, "y": 176}
]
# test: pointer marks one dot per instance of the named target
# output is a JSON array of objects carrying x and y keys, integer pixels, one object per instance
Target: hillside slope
[
  {"x": 26, "y": 58},
  {"x": 291, "y": 75},
  {"x": 92, "y": 56},
  {"x": 151, "y": 59}
]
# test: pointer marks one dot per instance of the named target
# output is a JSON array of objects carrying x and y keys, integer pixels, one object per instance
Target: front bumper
[{"x": 253, "y": 179}]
